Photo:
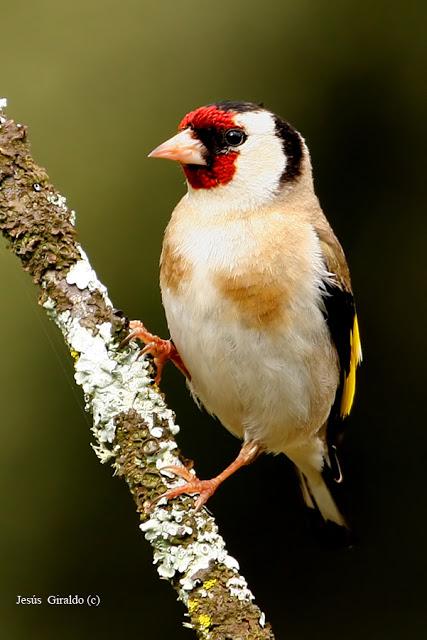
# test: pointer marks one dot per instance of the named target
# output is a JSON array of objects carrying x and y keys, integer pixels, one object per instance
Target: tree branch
[{"x": 132, "y": 426}]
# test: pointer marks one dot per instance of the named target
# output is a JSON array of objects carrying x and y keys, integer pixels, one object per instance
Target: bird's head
[{"x": 238, "y": 153}]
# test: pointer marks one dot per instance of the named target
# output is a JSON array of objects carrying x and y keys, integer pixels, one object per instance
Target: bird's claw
[
  {"x": 161, "y": 350},
  {"x": 205, "y": 488}
]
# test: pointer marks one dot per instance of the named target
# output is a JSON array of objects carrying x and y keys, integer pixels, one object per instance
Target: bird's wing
[{"x": 340, "y": 314}]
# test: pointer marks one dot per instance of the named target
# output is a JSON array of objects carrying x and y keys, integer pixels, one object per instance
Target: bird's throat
[{"x": 219, "y": 172}]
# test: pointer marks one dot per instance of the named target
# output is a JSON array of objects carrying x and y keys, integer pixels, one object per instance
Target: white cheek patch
[{"x": 262, "y": 161}]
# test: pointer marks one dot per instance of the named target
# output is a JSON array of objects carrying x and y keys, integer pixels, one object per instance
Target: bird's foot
[
  {"x": 161, "y": 350},
  {"x": 205, "y": 488}
]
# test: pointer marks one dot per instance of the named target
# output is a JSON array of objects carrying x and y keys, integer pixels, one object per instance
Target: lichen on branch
[{"x": 133, "y": 428}]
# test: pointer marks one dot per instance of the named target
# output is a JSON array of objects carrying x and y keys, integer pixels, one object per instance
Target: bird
[{"x": 258, "y": 298}]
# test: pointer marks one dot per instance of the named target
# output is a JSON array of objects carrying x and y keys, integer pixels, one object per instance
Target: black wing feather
[{"x": 339, "y": 312}]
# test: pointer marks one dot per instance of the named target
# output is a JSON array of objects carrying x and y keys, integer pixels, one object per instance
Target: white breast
[{"x": 275, "y": 386}]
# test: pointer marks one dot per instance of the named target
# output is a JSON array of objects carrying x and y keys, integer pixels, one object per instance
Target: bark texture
[{"x": 133, "y": 428}]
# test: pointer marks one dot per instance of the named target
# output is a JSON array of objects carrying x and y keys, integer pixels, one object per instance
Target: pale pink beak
[{"x": 183, "y": 148}]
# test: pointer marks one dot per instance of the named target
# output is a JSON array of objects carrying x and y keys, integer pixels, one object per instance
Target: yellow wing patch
[{"x": 349, "y": 388}]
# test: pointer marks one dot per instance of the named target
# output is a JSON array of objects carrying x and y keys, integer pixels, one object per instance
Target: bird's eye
[{"x": 234, "y": 137}]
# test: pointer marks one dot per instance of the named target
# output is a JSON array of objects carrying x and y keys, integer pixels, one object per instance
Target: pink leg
[
  {"x": 206, "y": 488},
  {"x": 161, "y": 350}
]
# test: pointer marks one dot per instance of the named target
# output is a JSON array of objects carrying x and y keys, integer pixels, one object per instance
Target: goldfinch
[{"x": 257, "y": 296}]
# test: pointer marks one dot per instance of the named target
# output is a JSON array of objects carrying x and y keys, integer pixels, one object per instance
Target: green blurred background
[{"x": 101, "y": 83}]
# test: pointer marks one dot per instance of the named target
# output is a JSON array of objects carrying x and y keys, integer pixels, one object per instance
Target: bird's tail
[
  {"x": 317, "y": 494},
  {"x": 318, "y": 484}
]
